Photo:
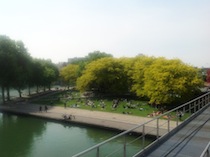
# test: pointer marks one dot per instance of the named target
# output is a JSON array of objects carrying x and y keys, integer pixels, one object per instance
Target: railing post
[
  {"x": 124, "y": 147},
  {"x": 97, "y": 153},
  {"x": 168, "y": 122},
  {"x": 177, "y": 117},
  {"x": 202, "y": 102},
  {"x": 199, "y": 104},
  {"x": 157, "y": 128},
  {"x": 190, "y": 108},
  {"x": 194, "y": 106},
  {"x": 208, "y": 98},
  {"x": 183, "y": 110},
  {"x": 143, "y": 136}
]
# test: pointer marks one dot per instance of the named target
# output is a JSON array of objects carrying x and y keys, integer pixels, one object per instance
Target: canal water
[{"x": 25, "y": 136}]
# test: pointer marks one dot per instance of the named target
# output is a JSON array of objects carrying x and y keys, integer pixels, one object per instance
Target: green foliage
[
  {"x": 47, "y": 72},
  {"x": 164, "y": 81},
  {"x": 138, "y": 68},
  {"x": 70, "y": 74},
  {"x": 19, "y": 70},
  {"x": 14, "y": 62},
  {"x": 7, "y": 55},
  {"x": 161, "y": 80},
  {"x": 104, "y": 75},
  {"x": 92, "y": 56},
  {"x": 22, "y": 69}
]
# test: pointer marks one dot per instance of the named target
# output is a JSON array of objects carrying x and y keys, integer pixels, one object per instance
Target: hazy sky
[{"x": 62, "y": 29}]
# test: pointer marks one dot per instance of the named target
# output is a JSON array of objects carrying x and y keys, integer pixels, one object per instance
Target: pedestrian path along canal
[{"x": 26, "y": 136}]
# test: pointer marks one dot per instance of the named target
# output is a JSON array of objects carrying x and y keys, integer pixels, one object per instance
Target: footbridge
[{"x": 183, "y": 132}]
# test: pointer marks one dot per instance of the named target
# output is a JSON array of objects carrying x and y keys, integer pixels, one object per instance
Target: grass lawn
[
  {"x": 73, "y": 99},
  {"x": 125, "y": 106}
]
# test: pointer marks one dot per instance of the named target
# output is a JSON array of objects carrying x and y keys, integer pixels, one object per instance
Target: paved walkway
[
  {"x": 97, "y": 118},
  {"x": 189, "y": 141}
]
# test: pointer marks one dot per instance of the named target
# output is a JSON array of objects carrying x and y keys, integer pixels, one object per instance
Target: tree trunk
[
  {"x": 8, "y": 94},
  {"x": 49, "y": 87},
  {"x": 3, "y": 94},
  {"x": 37, "y": 89},
  {"x": 20, "y": 93},
  {"x": 29, "y": 90}
]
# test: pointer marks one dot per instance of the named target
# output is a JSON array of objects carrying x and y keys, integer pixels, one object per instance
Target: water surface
[{"x": 25, "y": 136}]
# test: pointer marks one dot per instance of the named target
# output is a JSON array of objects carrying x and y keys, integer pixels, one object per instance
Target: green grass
[{"x": 71, "y": 98}]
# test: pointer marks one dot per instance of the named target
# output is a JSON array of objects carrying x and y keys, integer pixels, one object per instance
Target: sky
[{"x": 62, "y": 29}]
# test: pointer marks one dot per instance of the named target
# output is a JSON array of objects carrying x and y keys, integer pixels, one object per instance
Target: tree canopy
[
  {"x": 69, "y": 74},
  {"x": 168, "y": 80},
  {"x": 104, "y": 75},
  {"x": 161, "y": 80},
  {"x": 19, "y": 70}
]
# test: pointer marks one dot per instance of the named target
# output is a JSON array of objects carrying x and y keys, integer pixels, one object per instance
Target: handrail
[
  {"x": 206, "y": 152},
  {"x": 193, "y": 107}
]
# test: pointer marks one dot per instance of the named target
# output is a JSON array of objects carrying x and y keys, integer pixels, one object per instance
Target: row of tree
[
  {"x": 161, "y": 80},
  {"x": 19, "y": 70}
]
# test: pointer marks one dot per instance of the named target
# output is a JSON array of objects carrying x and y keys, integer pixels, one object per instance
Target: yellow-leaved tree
[
  {"x": 69, "y": 74},
  {"x": 104, "y": 75},
  {"x": 167, "y": 80}
]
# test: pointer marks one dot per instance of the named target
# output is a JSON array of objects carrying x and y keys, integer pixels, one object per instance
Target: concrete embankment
[{"x": 80, "y": 116}]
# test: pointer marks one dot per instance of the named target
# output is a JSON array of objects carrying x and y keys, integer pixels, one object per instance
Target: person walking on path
[
  {"x": 46, "y": 108},
  {"x": 40, "y": 108}
]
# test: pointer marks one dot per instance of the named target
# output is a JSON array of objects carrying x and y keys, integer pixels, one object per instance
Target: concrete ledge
[{"x": 106, "y": 120}]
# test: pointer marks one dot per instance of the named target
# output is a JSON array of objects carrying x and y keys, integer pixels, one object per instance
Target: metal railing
[
  {"x": 159, "y": 126},
  {"x": 206, "y": 152}
]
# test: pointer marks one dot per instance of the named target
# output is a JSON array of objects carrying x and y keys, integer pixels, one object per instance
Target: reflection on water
[
  {"x": 16, "y": 135},
  {"x": 23, "y": 136}
]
